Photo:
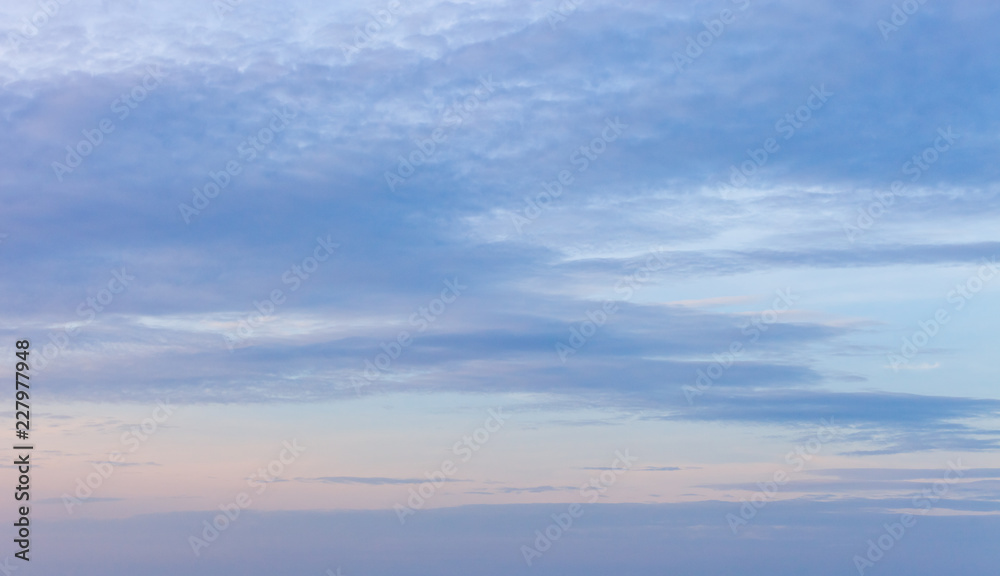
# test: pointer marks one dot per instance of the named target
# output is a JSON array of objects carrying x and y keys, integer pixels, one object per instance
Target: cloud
[
  {"x": 785, "y": 538},
  {"x": 655, "y": 187},
  {"x": 371, "y": 481}
]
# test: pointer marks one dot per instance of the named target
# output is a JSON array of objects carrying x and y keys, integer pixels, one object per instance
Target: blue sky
[{"x": 716, "y": 236}]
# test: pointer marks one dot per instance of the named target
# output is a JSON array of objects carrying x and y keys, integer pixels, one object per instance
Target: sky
[{"x": 500, "y": 287}]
